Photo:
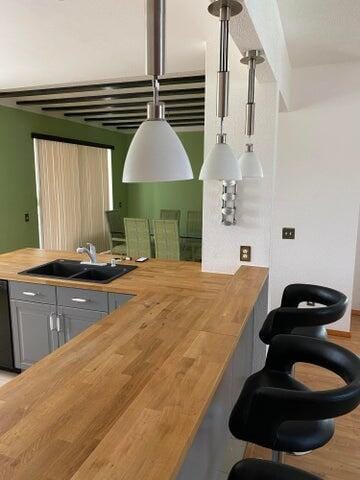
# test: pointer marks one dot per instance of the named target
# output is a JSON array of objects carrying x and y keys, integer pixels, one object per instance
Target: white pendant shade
[
  {"x": 250, "y": 166},
  {"x": 221, "y": 164},
  {"x": 156, "y": 154}
]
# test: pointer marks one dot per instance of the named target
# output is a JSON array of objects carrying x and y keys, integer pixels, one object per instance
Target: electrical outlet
[
  {"x": 120, "y": 204},
  {"x": 288, "y": 233},
  {"x": 245, "y": 253},
  {"x": 27, "y": 217}
]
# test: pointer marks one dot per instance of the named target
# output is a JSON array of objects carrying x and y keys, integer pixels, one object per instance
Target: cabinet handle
[
  {"x": 30, "y": 294},
  {"x": 80, "y": 300},
  {"x": 51, "y": 321},
  {"x": 58, "y": 323}
]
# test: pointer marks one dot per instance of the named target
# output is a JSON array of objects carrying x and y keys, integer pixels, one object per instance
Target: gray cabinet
[
  {"x": 117, "y": 299},
  {"x": 72, "y": 321},
  {"x": 34, "y": 335},
  {"x": 45, "y": 317}
]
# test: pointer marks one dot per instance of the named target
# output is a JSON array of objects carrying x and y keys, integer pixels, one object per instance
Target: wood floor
[{"x": 340, "y": 458}]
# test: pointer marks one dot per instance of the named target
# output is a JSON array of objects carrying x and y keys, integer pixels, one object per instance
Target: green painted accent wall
[
  {"x": 17, "y": 172},
  {"x": 145, "y": 200}
]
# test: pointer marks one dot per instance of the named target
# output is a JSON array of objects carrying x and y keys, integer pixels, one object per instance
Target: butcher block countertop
[{"x": 125, "y": 398}]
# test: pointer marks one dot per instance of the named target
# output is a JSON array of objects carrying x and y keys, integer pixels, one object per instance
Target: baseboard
[
  {"x": 355, "y": 312},
  {"x": 338, "y": 333}
]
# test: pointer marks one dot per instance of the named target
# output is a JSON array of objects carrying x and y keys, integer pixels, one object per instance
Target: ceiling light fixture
[
  {"x": 249, "y": 163},
  {"x": 221, "y": 163},
  {"x": 156, "y": 153}
]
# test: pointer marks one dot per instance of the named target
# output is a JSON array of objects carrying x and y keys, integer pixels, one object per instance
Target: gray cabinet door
[
  {"x": 32, "y": 336},
  {"x": 117, "y": 299},
  {"x": 72, "y": 321}
]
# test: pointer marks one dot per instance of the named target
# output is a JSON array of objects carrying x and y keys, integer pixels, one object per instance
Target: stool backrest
[
  {"x": 269, "y": 407},
  {"x": 290, "y": 315}
]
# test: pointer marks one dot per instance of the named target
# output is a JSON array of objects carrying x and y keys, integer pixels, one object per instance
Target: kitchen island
[{"x": 144, "y": 393}]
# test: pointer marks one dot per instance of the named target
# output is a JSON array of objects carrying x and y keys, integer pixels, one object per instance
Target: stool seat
[
  {"x": 252, "y": 469},
  {"x": 290, "y": 436}
]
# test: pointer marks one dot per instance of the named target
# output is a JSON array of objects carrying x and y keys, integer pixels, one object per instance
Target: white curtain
[{"x": 73, "y": 194}]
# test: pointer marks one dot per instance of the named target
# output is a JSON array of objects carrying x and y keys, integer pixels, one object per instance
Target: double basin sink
[{"x": 74, "y": 270}]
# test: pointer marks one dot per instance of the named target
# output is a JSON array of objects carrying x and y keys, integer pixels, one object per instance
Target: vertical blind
[{"x": 73, "y": 194}]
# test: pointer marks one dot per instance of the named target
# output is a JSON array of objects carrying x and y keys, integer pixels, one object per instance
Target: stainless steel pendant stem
[
  {"x": 224, "y": 9},
  {"x": 252, "y": 58},
  {"x": 155, "y": 54},
  {"x": 155, "y": 37},
  {"x": 222, "y": 106}
]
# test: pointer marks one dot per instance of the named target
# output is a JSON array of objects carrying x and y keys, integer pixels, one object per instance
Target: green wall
[
  {"x": 17, "y": 173},
  {"x": 147, "y": 199}
]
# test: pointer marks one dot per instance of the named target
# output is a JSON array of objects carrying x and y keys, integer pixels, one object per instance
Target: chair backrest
[
  {"x": 269, "y": 406},
  {"x": 167, "y": 240},
  {"x": 137, "y": 233},
  {"x": 290, "y": 316},
  {"x": 115, "y": 221},
  {"x": 194, "y": 222},
  {"x": 170, "y": 215}
]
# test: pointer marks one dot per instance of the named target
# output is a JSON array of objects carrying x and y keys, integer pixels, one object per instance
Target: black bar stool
[
  {"x": 252, "y": 469},
  {"x": 278, "y": 412},
  {"x": 290, "y": 318}
]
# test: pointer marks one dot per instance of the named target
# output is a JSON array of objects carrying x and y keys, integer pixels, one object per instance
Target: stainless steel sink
[{"x": 74, "y": 270}]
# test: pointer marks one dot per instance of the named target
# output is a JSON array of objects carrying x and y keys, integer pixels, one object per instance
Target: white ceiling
[
  {"x": 46, "y": 42},
  {"x": 321, "y": 31}
]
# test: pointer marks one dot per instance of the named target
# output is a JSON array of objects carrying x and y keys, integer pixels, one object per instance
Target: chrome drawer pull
[
  {"x": 58, "y": 323},
  {"x": 51, "y": 319},
  {"x": 31, "y": 294},
  {"x": 79, "y": 300}
]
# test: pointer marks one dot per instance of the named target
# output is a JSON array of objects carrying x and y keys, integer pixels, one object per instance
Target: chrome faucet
[{"x": 90, "y": 250}]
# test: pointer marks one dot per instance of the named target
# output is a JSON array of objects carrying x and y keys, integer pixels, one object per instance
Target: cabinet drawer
[
  {"x": 32, "y": 292},
  {"x": 86, "y": 299}
]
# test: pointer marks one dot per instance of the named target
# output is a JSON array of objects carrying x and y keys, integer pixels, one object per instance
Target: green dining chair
[
  {"x": 116, "y": 231},
  {"x": 167, "y": 240},
  {"x": 170, "y": 215},
  {"x": 194, "y": 222},
  {"x": 137, "y": 233},
  {"x": 193, "y": 228}
]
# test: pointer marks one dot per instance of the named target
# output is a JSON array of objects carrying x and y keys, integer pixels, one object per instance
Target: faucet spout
[{"x": 90, "y": 250}]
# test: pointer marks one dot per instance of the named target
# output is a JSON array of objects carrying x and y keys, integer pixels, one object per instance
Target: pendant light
[
  {"x": 156, "y": 153},
  {"x": 249, "y": 163},
  {"x": 221, "y": 163}
]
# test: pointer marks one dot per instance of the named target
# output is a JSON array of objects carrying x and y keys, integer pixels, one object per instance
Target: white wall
[
  {"x": 317, "y": 182},
  {"x": 221, "y": 244},
  {"x": 356, "y": 288}
]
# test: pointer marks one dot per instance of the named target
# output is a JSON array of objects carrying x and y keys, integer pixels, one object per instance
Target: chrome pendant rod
[
  {"x": 155, "y": 35},
  {"x": 155, "y": 15},
  {"x": 222, "y": 106},
  {"x": 252, "y": 58},
  {"x": 224, "y": 9}
]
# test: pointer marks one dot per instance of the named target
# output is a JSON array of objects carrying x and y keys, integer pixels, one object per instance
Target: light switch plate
[
  {"x": 245, "y": 253},
  {"x": 288, "y": 233}
]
